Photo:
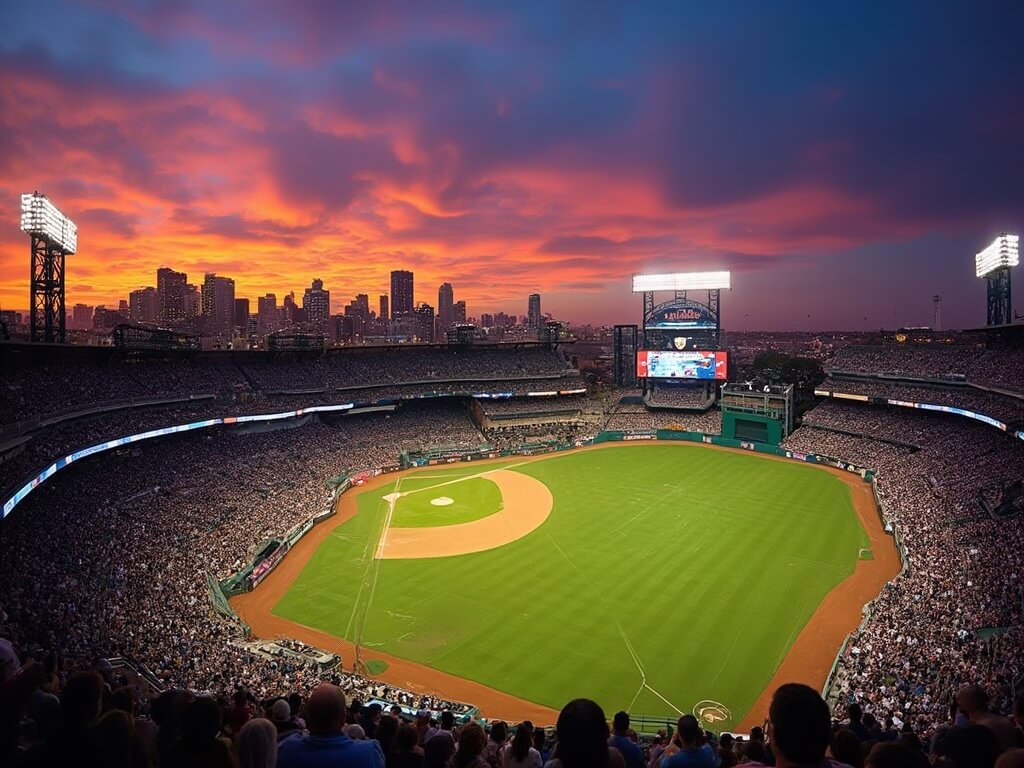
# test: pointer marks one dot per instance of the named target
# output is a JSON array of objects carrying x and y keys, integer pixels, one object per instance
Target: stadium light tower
[
  {"x": 680, "y": 283},
  {"x": 994, "y": 264},
  {"x": 54, "y": 236}
]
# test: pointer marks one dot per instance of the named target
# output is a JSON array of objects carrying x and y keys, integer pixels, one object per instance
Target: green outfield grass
[{"x": 665, "y": 575}]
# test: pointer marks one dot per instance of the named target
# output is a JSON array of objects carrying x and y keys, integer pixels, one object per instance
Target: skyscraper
[
  {"x": 81, "y": 317},
  {"x": 401, "y": 293},
  {"x": 268, "y": 318},
  {"x": 459, "y": 311},
  {"x": 533, "y": 318},
  {"x": 171, "y": 295},
  {"x": 316, "y": 302},
  {"x": 424, "y": 314},
  {"x": 241, "y": 320},
  {"x": 219, "y": 303},
  {"x": 445, "y": 303},
  {"x": 384, "y": 315},
  {"x": 143, "y": 305}
]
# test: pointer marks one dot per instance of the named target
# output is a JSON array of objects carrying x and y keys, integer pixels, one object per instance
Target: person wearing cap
[
  {"x": 326, "y": 744},
  {"x": 281, "y": 717}
]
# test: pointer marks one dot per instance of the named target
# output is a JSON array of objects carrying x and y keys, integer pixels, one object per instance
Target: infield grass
[{"x": 665, "y": 575}]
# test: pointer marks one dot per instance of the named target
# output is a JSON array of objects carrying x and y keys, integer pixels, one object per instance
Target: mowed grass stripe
[{"x": 724, "y": 558}]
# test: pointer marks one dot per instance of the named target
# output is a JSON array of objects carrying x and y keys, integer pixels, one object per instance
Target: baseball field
[{"x": 656, "y": 578}]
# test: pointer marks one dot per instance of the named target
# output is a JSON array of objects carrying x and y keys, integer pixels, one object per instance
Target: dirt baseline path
[
  {"x": 808, "y": 661},
  {"x": 526, "y": 504}
]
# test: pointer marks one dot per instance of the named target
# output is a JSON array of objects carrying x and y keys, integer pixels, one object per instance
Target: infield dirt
[{"x": 808, "y": 661}]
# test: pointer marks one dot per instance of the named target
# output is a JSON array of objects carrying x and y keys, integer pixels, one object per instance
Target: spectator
[
  {"x": 582, "y": 733},
  {"x": 387, "y": 731},
  {"x": 620, "y": 739},
  {"x": 472, "y": 741},
  {"x": 408, "y": 753},
  {"x": 257, "y": 744},
  {"x": 694, "y": 751},
  {"x": 892, "y": 755},
  {"x": 281, "y": 717},
  {"x": 520, "y": 753},
  {"x": 1011, "y": 758},
  {"x": 973, "y": 702},
  {"x": 799, "y": 726},
  {"x": 200, "y": 745},
  {"x": 971, "y": 746},
  {"x": 326, "y": 744},
  {"x": 496, "y": 744},
  {"x": 846, "y": 748}
]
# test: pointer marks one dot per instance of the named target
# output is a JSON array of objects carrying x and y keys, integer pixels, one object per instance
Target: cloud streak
[{"x": 512, "y": 149}]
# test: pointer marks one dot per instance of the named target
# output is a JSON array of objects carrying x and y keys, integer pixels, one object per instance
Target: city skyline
[{"x": 845, "y": 167}]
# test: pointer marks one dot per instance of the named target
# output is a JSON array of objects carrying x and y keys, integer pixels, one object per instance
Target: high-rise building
[
  {"x": 445, "y": 302},
  {"x": 171, "y": 298},
  {"x": 288, "y": 307},
  {"x": 424, "y": 314},
  {"x": 316, "y": 302},
  {"x": 401, "y": 293},
  {"x": 241, "y": 320},
  {"x": 268, "y": 318},
  {"x": 358, "y": 313},
  {"x": 219, "y": 303},
  {"x": 486, "y": 320},
  {"x": 81, "y": 317},
  {"x": 384, "y": 313},
  {"x": 193, "y": 301},
  {"x": 533, "y": 317},
  {"x": 459, "y": 311},
  {"x": 144, "y": 305}
]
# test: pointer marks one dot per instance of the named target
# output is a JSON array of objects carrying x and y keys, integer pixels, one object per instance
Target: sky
[{"x": 844, "y": 159}]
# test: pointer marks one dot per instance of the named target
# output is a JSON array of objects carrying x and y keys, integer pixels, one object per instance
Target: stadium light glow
[
  {"x": 681, "y": 281},
  {"x": 41, "y": 218},
  {"x": 1002, "y": 253}
]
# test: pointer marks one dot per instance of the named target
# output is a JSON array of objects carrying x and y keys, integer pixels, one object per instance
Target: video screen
[{"x": 698, "y": 364}]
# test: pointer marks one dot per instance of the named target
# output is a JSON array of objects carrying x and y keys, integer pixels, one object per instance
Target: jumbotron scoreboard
[
  {"x": 680, "y": 339},
  {"x": 699, "y": 365}
]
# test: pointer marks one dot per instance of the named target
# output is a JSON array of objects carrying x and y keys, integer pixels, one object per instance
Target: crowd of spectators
[
  {"x": 954, "y": 615},
  {"x": 119, "y": 570},
  {"x": 1007, "y": 409},
  {"x": 32, "y": 389},
  {"x": 694, "y": 397},
  {"x": 633, "y": 417},
  {"x": 395, "y": 365},
  {"x": 51, "y": 717},
  {"x": 1003, "y": 368}
]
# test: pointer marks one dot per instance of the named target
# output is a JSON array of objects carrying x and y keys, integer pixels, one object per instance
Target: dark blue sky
[{"x": 846, "y": 160}]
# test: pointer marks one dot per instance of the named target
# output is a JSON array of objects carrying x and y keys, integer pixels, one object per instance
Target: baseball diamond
[{"x": 615, "y": 559}]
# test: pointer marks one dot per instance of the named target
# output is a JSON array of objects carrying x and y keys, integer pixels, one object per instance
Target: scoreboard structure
[
  {"x": 680, "y": 346},
  {"x": 763, "y": 415}
]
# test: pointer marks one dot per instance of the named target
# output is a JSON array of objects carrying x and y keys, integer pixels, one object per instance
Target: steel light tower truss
[{"x": 53, "y": 236}]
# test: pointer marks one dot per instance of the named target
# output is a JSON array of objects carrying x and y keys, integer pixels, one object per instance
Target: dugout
[{"x": 763, "y": 415}]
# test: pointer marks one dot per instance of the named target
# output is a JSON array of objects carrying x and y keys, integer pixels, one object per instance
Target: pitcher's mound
[{"x": 442, "y": 501}]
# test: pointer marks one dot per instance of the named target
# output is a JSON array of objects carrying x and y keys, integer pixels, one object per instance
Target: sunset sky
[{"x": 845, "y": 160}]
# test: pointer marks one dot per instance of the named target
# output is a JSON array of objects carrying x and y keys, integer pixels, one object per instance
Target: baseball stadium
[{"x": 478, "y": 529}]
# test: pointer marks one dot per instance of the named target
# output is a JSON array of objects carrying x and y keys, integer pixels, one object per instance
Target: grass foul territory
[{"x": 664, "y": 576}]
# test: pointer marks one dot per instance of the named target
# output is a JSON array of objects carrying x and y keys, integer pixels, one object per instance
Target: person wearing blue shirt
[
  {"x": 631, "y": 752},
  {"x": 326, "y": 745},
  {"x": 692, "y": 753}
]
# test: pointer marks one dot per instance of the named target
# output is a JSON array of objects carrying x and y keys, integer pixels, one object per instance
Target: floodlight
[
  {"x": 681, "y": 281},
  {"x": 40, "y": 217},
  {"x": 1001, "y": 254}
]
